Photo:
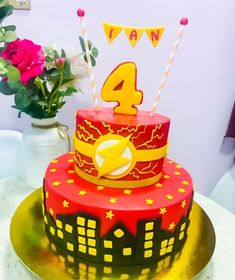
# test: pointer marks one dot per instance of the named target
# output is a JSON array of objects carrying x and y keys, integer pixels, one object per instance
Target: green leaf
[
  {"x": 4, "y": 3},
  {"x": 15, "y": 86},
  {"x": 10, "y": 27},
  {"x": 82, "y": 43},
  {"x": 5, "y": 89},
  {"x": 89, "y": 44},
  {"x": 10, "y": 36},
  {"x": 5, "y": 11},
  {"x": 13, "y": 73},
  {"x": 93, "y": 62},
  {"x": 94, "y": 52},
  {"x": 23, "y": 98},
  {"x": 69, "y": 91},
  {"x": 63, "y": 54}
]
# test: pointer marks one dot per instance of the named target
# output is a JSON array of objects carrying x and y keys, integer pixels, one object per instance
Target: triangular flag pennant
[
  {"x": 111, "y": 31},
  {"x": 154, "y": 34},
  {"x": 133, "y": 34}
]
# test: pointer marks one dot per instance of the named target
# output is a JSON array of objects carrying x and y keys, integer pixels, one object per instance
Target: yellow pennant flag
[
  {"x": 111, "y": 31},
  {"x": 154, "y": 34},
  {"x": 133, "y": 34}
]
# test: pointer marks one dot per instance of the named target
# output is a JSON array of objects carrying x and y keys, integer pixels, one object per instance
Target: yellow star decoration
[
  {"x": 166, "y": 176},
  {"x": 51, "y": 211},
  {"x": 71, "y": 153},
  {"x": 53, "y": 170},
  {"x": 70, "y": 181},
  {"x": 158, "y": 185},
  {"x": 112, "y": 157},
  {"x": 65, "y": 204},
  {"x": 128, "y": 192},
  {"x": 47, "y": 195},
  {"x": 56, "y": 183},
  {"x": 99, "y": 188},
  {"x": 162, "y": 211},
  {"x": 113, "y": 200},
  {"x": 54, "y": 161},
  {"x": 183, "y": 203},
  {"x": 149, "y": 201},
  {"x": 177, "y": 173},
  {"x": 171, "y": 226},
  {"x": 178, "y": 166},
  {"x": 169, "y": 197},
  {"x": 71, "y": 171},
  {"x": 109, "y": 215},
  {"x": 82, "y": 193},
  {"x": 71, "y": 160},
  {"x": 186, "y": 183},
  {"x": 181, "y": 190}
]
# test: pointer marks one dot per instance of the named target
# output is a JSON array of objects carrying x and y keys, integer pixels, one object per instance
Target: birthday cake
[{"x": 117, "y": 199}]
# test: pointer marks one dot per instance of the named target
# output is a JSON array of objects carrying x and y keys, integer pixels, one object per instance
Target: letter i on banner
[{"x": 111, "y": 31}]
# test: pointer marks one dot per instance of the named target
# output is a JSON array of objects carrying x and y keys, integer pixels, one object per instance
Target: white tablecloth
[{"x": 221, "y": 267}]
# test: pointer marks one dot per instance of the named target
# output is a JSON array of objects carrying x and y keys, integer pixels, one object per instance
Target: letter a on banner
[
  {"x": 111, "y": 31},
  {"x": 154, "y": 34},
  {"x": 133, "y": 34}
]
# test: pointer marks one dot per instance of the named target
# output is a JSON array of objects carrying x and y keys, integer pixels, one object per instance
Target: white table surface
[{"x": 221, "y": 266}]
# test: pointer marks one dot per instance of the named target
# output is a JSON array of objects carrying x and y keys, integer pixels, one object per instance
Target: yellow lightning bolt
[{"x": 112, "y": 156}]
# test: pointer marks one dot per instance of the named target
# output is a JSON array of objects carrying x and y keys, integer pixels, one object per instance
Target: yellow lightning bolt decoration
[{"x": 112, "y": 157}]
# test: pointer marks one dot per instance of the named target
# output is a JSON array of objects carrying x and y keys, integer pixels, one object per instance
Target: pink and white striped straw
[
  {"x": 81, "y": 13},
  {"x": 183, "y": 23}
]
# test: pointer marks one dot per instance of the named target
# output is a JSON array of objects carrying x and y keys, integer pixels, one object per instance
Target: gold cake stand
[{"x": 33, "y": 248}]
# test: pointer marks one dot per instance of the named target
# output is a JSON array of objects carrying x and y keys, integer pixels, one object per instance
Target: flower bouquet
[{"x": 39, "y": 77}]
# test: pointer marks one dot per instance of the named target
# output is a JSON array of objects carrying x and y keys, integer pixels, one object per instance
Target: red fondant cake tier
[
  {"x": 120, "y": 150},
  {"x": 86, "y": 219}
]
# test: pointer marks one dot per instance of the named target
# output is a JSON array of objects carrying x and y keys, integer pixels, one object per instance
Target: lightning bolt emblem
[{"x": 112, "y": 156}]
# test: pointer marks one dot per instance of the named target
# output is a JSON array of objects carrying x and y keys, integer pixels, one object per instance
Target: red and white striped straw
[
  {"x": 183, "y": 23},
  {"x": 81, "y": 13}
]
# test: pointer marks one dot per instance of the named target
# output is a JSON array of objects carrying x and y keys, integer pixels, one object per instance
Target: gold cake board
[{"x": 31, "y": 244}]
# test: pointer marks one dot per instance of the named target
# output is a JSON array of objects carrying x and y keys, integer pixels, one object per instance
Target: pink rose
[{"x": 27, "y": 57}]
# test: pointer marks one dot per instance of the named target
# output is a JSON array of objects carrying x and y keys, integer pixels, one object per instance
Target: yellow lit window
[
  {"x": 81, "y": 221},
  {"x": 183, "y": 227},
  {"x": 171, "y": 241},
  {"x": 181, "y": 236},
  {"x": 124, "y": 276},
  {"x": 92, "y": 251},
  {"x": 92, "y": 269},
  {"x": 148, "y": 244},
  {"x": 45, "y": 219},
  {"x": 127, "y": 251},
  {"x": 91, "y": 242},
  {"x": 91, "y": 224},
  {"x": 108, "y": 244},
  {"x": 107, "y": 270},
  {"x": 164, "y": 243},
  {"x": 81, "y": 240},
  {"x": 81, "y": 231},
  {"x": 90, "y": 233},
  {"x": 119, "y": 233},
  {"x": 148, "y": 235},
  {"x": 53, "y": 247},
  {"x": 148, "y": 253},
  {"x": 52, "y": 230},
  {"x": 70, "y": 246},
  {"x": 68, "y": 228},
  {"x": 60, "y": 234},
  {"x": 108, "y": 258},
  {"x": 169, "y": 249},
  {"x": 145, "y": 271},
  {"x": 70, "y": 259},
  {"x": 163, "y": 251},
  {"x": 149, "y": 226},
  {"x": 59, "y": 224},
  {"x": 82, "y": 248},
  {"x": 82, "y": 266}
]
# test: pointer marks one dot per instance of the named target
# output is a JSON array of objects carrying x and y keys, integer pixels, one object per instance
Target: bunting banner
[{"x": 133, "y": 34}]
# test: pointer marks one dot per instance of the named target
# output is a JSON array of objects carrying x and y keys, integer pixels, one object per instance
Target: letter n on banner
[
  {"x": 133, "y": 34},
  {"x": 111, "y": 31},
  {"x": 154, "y": 34}
]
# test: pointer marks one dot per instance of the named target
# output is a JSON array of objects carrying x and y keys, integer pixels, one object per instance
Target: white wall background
[{"x": 200, "y": 91}]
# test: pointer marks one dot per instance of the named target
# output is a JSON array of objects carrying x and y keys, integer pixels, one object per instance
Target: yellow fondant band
[
  {"x": 119, "y": 183},
  {"x": 140, "y": 155}
]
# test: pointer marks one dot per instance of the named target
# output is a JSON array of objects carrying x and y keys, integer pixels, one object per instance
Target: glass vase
[{"x": 45, "y": 140}]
